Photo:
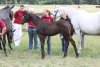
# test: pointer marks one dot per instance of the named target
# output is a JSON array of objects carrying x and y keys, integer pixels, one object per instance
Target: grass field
[{"x": 22, "y": 57}]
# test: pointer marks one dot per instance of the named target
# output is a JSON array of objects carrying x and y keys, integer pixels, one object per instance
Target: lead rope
[{"x": 20, "y": 37}]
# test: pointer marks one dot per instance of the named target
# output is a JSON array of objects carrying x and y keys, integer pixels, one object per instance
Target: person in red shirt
[
  {"x": 18, "y": 15},
  {"x": 32, "y": 33},
  {"x": 48, "y": 18},
  {"x": 2, "y": 27}
]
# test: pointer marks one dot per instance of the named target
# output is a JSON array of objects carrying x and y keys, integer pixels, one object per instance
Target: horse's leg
[
  {"x": 0, "y": 42},
  {"x": 9, "y": 40},
  {"x": 82, "y": 41},
  {"x": 48, "y": 45},
  {"x": 4, "y": 44},
  {"x": 42, "y": 40},
  {"x": 74, "y": 45},
  {"x": 78, "y": 33},
  {"x": 0, "y": 45}
]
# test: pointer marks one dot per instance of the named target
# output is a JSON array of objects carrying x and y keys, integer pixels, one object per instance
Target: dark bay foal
[{"x": 50, "y": 29}]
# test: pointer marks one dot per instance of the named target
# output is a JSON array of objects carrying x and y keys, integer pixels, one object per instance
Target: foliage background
[{"x": 50, "y": 2}]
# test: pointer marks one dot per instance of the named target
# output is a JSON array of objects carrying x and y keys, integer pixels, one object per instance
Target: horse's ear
[{"x": 12, "y": 6}]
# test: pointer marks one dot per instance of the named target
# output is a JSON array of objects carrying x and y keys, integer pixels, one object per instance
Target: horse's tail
[{"x": 72, "y": 31}]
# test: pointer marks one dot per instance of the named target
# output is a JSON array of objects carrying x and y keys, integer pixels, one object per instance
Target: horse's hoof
[
  {"x": 42, "y": 58},
  {"x": 11, "y": 48},
  {"x": 1, "y": 48},
  {"x": 77, "y": 55},
  {"x": 79, "y": 50}
]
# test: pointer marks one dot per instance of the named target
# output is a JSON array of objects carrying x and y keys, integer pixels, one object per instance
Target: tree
[
  {"x": 98, "y": 1},
  {"x": 50, "y": 1}
]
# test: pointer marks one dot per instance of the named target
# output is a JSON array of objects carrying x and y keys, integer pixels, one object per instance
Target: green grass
[{"x": 22, "y": 57}]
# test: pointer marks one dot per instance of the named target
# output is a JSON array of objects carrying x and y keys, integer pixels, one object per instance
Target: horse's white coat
[{"x": 83, "y": 22}]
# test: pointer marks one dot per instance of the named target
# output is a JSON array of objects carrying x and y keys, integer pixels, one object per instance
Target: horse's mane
[
  {"x": 40, "y": 18},
  {"x": 72, "y": 8},
  {"x": 6, "y": 7},
  {"x": 5, "y": 12}
]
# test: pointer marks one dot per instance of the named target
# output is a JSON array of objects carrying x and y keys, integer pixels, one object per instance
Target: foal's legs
[
  {"x": 4, "y": 44},
  {"x": 0, "y": 45},
  {"x": 74, "y": 45},
  {"x": 65, "y": 36},
  {"x": 42, "y": 40}
]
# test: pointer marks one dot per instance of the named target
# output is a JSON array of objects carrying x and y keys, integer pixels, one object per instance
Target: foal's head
[
  {"x": 26, "y": 17},
  {"x": 29, "y": 16}
]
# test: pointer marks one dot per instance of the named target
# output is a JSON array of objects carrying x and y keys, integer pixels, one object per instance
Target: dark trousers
[
  {"x": 63, "y": 42},
  {"x": 32, "y": 35}
]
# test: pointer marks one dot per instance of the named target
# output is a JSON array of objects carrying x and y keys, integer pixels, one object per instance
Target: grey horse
[{"x": 6, "y": 15}]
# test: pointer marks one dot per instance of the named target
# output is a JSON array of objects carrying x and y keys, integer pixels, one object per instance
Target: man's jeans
[
  {"x": 63, "y": 42},
  {"x": 32, "y": 35}
]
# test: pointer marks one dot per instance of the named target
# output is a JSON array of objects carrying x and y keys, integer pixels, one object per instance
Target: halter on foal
[{"x": 50, "y": 29}]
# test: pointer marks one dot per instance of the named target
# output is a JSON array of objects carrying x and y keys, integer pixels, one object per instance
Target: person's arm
[
  {"x": 42, "y": 17},
  {"x": 3, "y": 27},
  {"x": 3, "y": 32}
]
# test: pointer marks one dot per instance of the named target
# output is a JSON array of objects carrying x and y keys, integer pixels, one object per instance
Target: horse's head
[
  {"x": 8, "y": 8},
  {"x": 7, "y": 11},
  {"x": 57, "y": 12},
  {"x": 26, "y": 17},
  {"x": 70, "y": 11},
  {"x": 11, "y": 12},
  {"x": 29, "y": 16}
]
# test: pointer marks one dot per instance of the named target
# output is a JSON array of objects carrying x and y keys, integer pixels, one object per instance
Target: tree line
[{"x": 65, "y": 2}]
